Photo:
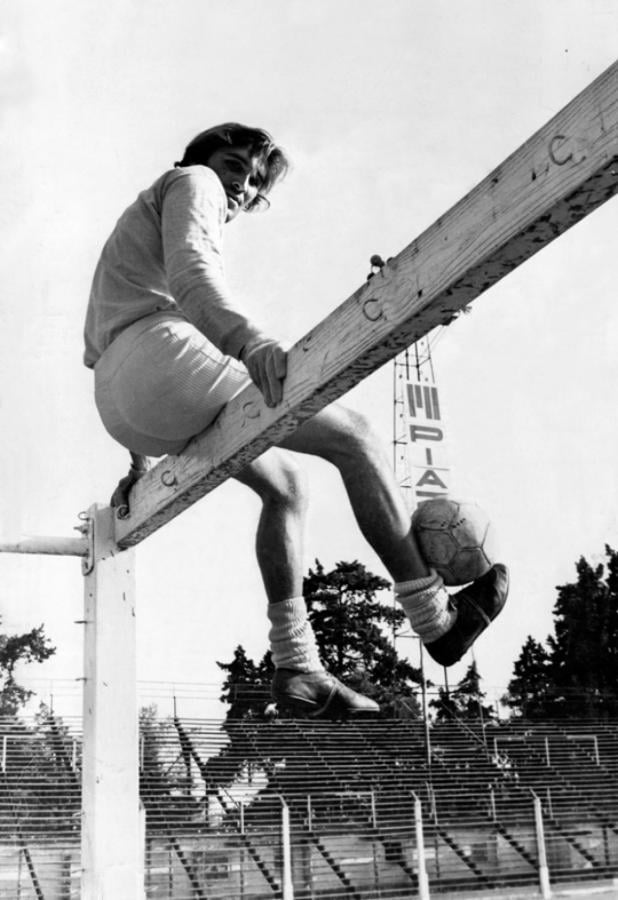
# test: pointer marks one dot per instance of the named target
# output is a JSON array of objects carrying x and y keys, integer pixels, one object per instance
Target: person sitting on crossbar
[{"x": 170, "y": 347}]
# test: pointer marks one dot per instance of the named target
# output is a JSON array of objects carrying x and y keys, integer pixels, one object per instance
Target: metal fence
[{"x": 306, "y": 810}]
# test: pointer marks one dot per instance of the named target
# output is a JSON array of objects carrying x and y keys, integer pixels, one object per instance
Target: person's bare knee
[
  {"x": 336, "y": 434},
  {"x": 355, "y": 441},
  {"x": 276, "y": 478},
  {"x": 357, "y": 428},
  {"x": 279, "y": 541}
]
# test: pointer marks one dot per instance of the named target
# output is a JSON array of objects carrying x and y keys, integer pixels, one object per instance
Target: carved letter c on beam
[{"x": 373, "y": 313}]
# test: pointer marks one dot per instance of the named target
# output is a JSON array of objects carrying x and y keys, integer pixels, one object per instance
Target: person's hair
[{"x": 231, "y": 134}]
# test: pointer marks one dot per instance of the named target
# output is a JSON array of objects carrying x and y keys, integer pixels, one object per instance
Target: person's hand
[{"x": 266, "y": 362}]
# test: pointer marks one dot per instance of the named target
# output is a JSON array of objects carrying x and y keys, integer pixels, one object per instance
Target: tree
[
  {"x": 576, "y": 674},
  {"x": 354, "y": 633},
  {"x": 355, "y": 630},
  {"x": 531, "y": 691},
  {"x": 33, "y": 759},
  {"x": 247, "y": 685},
  {"x": 584, "y": 649},
  {"x": 165, "y": 783},
  {"x": 40, "y": 782},
  {"x": 466, "y": 701},
  {"x": 33, "y": 646}
]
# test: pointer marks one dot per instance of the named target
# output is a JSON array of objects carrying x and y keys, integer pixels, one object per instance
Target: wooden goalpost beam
[{"x": 558, "y": 176}]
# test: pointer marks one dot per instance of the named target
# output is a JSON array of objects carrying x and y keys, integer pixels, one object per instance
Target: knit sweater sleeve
[{"x": 192, "y": 217}]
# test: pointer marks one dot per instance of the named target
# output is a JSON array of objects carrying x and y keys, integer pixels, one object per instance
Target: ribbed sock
[
  {"x": 425, "y": 602},
  {"x": 291, "y": 636}
]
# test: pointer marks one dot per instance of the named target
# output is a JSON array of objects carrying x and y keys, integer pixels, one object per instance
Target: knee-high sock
[
  {"x": 425, "y": 601},
  {"x": 291, "y": 636}
]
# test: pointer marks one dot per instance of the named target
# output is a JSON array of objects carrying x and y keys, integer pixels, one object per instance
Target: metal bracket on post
[{"x": 87, "y": 530}]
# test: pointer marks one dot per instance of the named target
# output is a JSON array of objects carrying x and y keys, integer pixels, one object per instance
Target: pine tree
[
  {"x": 577, "y": 673},
  {"x": 466, "y": 701},
  {"x": 247, "y": 685},
  {"x": 531, "y": 691},
  {"x": 609, "y": 662},
  {"x": 354, "y": 632},
  {"x": 584, "y": 648}
]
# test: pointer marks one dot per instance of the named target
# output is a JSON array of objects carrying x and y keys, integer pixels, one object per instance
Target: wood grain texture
[{"x": 561, "y": 174}]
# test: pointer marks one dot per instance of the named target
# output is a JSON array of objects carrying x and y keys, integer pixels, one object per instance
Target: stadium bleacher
[{"x": 214, "y": 793}]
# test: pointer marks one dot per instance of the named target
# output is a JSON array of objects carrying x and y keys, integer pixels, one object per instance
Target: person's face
[{"x": 240, "y": 174}]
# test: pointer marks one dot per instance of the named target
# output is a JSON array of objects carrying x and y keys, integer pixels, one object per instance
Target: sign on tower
[{"x": 421, "y": 458}]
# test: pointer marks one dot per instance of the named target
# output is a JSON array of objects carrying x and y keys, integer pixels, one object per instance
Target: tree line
[{"x": 572, "y": 673}]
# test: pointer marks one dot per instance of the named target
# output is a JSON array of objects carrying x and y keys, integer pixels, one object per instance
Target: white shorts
[{"x": 161, "y": 382}]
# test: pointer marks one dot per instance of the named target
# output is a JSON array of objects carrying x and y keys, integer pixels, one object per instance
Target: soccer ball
[{"x": 455, "y": 537}]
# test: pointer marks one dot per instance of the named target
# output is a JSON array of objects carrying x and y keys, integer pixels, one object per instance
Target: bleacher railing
[{"x": 296, "y": 809}]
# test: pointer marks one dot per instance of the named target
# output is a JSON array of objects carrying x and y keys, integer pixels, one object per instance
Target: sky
[{"x": 390, "y": 113}]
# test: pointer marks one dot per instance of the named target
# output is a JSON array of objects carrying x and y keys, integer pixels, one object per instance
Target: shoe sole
[{"x": 307, "y": 709}]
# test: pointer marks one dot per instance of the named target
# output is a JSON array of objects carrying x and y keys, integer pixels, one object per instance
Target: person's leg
[
  {"x": 279, "y": 543},
  {"x": 346, "y": 439},
  {"x": 300, "y": 681}
]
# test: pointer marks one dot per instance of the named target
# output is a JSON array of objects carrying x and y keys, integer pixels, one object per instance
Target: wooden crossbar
[{"x": 561, "y": 174}]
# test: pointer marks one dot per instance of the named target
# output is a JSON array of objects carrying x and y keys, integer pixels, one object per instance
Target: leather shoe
[
  {"x": 318, "y": 694},
  {"x": 477, "y": 606}
]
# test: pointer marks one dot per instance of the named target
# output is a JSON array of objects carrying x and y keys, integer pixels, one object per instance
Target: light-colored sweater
[{"x": 165, "y": 253}]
